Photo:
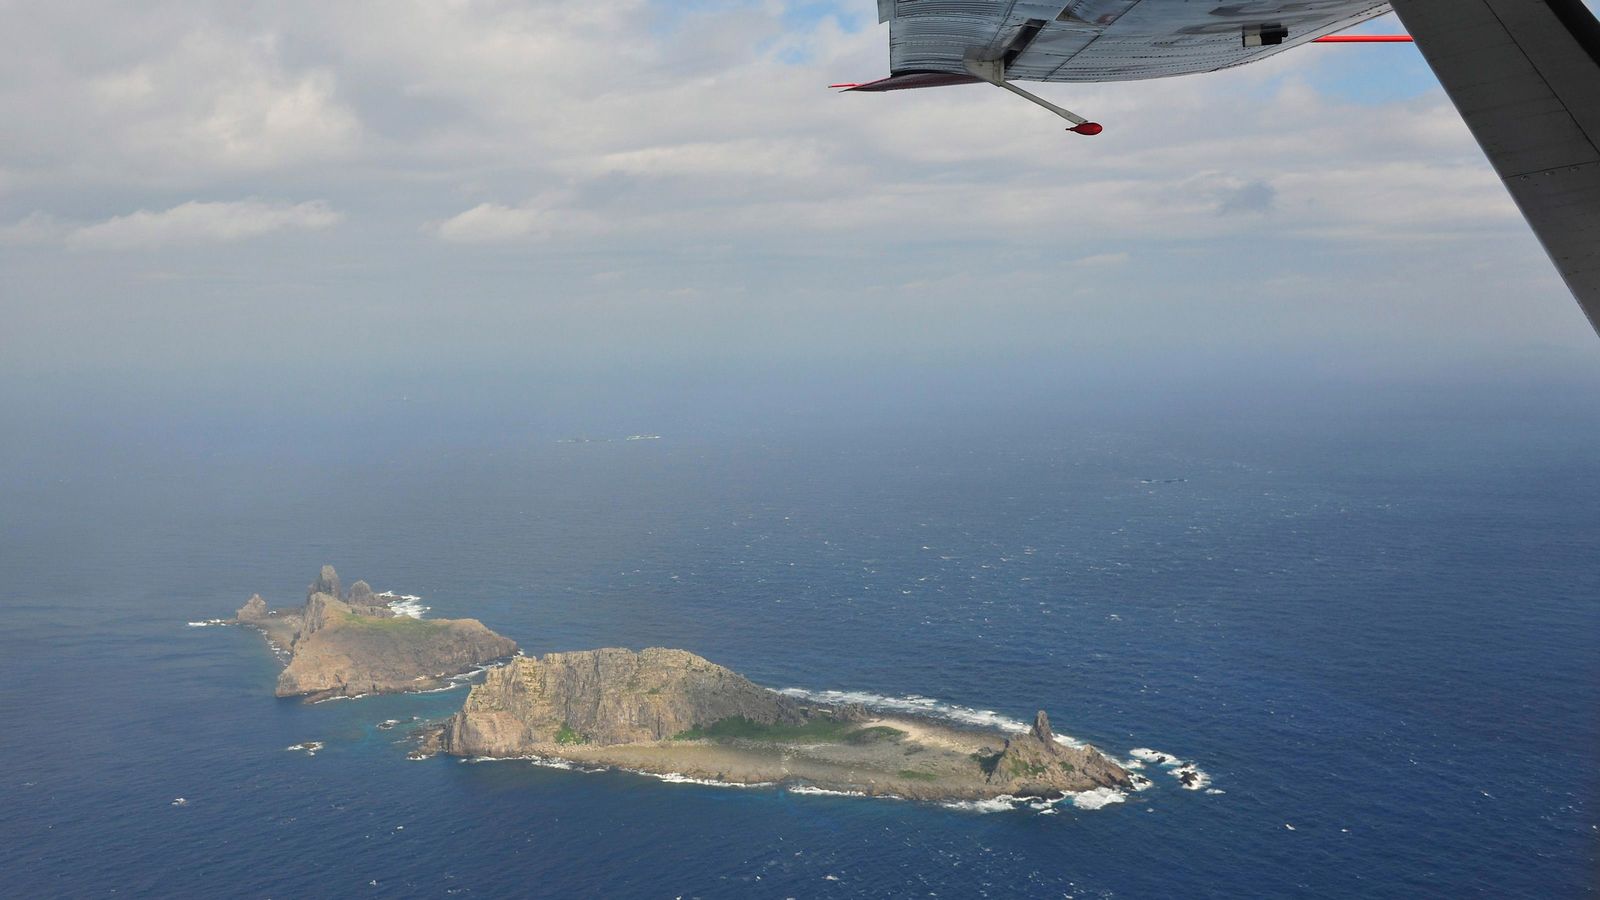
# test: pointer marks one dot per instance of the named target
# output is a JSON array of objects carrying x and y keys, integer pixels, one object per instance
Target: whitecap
[
  {"x": 180, "y": 801},
  {"x": 679, "y": 778},
  {"x": 409, "y": 605},
  {"x": 310, "y": 748},
  {"x": 340, "y": 697},
  {"x": 916, "y": 704},
  {"x": 821, "y": 792},
  {"x": 1191, "y": 776},
  {"x": 1002, "y": 803},
  {"x": 1098, "y": 798},
  {"x": 209, "y": 622}
]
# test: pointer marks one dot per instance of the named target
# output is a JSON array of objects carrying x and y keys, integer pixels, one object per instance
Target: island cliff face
[
  {"x": 353, "y": 644},
  {"x": 608, "y": 696},
  {"x": 670, "y": 711}
]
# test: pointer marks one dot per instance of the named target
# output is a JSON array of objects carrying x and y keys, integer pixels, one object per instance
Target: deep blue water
[{"x": 1371, "y": 615}]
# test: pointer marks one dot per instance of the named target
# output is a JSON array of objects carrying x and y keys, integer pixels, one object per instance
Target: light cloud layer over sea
[{"x": 633, "y": 174}]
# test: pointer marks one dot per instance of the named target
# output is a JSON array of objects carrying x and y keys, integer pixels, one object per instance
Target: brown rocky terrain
[
  {"x": 346, "y": 645},
  {"x": 670, "y": 711}
]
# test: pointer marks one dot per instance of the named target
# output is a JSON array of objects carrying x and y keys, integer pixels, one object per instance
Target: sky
[{"x": 191, "y": 189}]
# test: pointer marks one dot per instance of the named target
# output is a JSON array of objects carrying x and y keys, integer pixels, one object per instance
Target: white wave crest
[
  {"x": 209, "y": 622},
  {"x": 409, "y": 605},
  {"x": 1002, "y": 803},
  {"x": 923, "y": 706},
  {"x": 679, "y": 778},
  {"x": 309, "y": 748},
  {"x": 1190, "y": 776},
  {"x": 821, "y": 792},
  {"x": 1098, "y": 798}
]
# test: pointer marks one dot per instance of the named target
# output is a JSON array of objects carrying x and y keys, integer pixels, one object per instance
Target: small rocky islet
[
  {"x": 350, "y": 644},
  {"x": 659, "y": 711}
]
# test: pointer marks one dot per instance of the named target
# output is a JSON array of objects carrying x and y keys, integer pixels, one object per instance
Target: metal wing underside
[
  {"x": 1104, "y": 40},
  {"x": 1526, "y": 76}
]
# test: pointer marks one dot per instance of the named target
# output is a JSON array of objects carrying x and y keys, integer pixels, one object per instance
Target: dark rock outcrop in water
[
  {"x": 672, "y": 712},
  {"x": 345, "y": 647}
]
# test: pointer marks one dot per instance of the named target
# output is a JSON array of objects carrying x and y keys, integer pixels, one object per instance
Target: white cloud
[
  {"x": 492, "y": 222},
  {"x": 652, "y": 136},
  {"x": 199, "y": 223},
  {"x": 34, "y": 228},
  {"x": 743, "y": 158},
  {"x": 1103, "y": 259}
]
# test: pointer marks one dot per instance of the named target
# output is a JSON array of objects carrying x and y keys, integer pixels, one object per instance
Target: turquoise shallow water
[{"x": 1378, "y": 627}]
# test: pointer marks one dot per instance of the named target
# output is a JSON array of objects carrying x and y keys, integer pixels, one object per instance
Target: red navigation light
[{"x": 1089, "y": 128}]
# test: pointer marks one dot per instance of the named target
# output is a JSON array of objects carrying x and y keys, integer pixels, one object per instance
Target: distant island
[
  {"x": 658, "y": 711},
  {"x": 352, "y": 644}
]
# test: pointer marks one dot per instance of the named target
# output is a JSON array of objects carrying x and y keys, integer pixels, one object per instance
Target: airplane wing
[
  {"x": 1101, "y": 40},
  {"x": 1526, "y": 76}
]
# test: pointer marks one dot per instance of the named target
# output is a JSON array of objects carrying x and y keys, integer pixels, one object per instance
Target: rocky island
[
  {"x": 672, "y": 712},
  {"x": 346, "y": 644},
  {"x": 663, "y": 712}
]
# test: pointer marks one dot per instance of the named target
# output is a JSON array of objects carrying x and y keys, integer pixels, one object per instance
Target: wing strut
[{"x": 994, "y": 72}]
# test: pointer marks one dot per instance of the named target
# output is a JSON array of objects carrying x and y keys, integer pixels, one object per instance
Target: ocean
[{"x": 1369, "y": 613}]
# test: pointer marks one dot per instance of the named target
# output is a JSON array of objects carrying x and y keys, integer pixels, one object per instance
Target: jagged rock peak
[
  {"x": 254, "y": 609},
  {"x": 327, "y": 583},
  {"x": 1041, "y": 728},
  {"x": 361, "y": 595}
]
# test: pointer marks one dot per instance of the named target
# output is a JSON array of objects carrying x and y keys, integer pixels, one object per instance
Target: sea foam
[
  {"x": 1190, "y": 776},
  {"x": 1002, "y": 803},
  {"x": 821, "y": 792},
  {"x": 915, "y": 704},
  {"x": 679, "y": 778},
  {"x": 409, "y": 605},
  {"x": 1098, "y": 798}
]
